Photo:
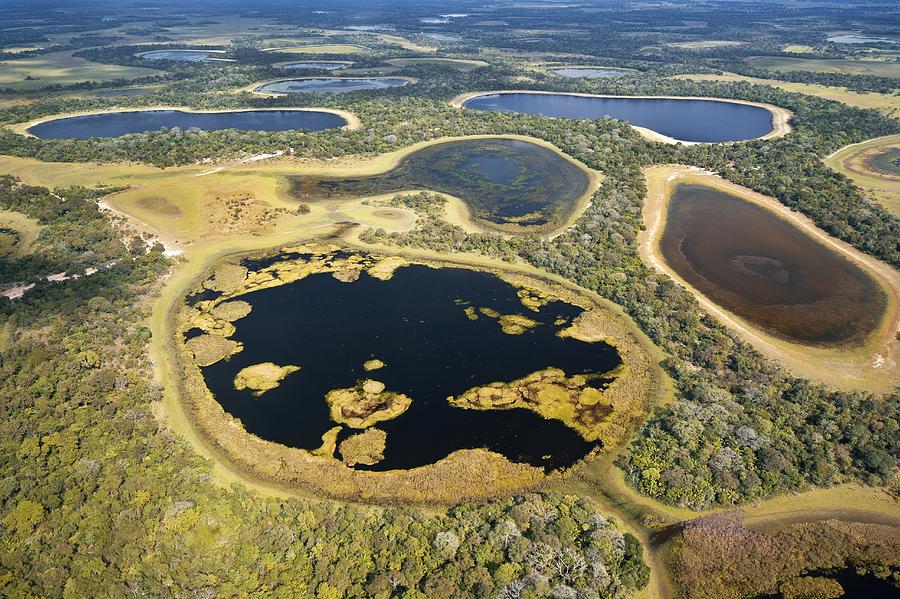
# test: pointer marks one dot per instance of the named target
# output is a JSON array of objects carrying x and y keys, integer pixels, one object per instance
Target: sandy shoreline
[
  {"x": 871, "y": 367},
  {"x": 353, "y": 121},
  {"x": 781, "y": 117}
]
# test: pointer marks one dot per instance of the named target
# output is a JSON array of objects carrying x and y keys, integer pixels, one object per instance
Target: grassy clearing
[
  {"x": 61, "y": 68},
  {"x": 27, "y": 229},
  {"x": 798, "y": 49},
  {"x": 874, "y": 68},
  {"x": 455, "y": 63},
  {"x": 870, "y": 367},
  {"x": 885, "y": 103},
  {"x": 852, "y": 161}
]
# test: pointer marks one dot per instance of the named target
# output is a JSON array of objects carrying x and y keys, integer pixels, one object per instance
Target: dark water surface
[
  {"x": 334, "y": 85},
  {"x": 415, "y": 323},
  {"x": 856, "y": 586},
  {"x": 887, "y": 162},
  {"x": 685, "y": 120},
  {"x": 749, "y": 261},
  {"x": 502, "y": 181},
  {"x": 114, "y": 124}
]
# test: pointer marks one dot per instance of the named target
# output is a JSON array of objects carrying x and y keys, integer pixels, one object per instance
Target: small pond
[
  {"x": 855, "y": 585},
  {"x": 502, "y": 181},
  {"x": 681, "y": 119},
  {"x": 443, "y": 37},
  {"x": 334, "y": 85},
  {"x": 886, "y": 162},
  {"x": 324, "y": 65},
  {"x": 760, "y": 267},
  {"x": 114, "y": 124},
  {"x": 184, "y": 55},
  {"x": 590, "y": 72},
  {"x": 852, "y": 38},
  {"x": 429, "y": 347}
]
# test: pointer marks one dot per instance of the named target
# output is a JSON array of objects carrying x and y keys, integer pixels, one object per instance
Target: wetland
[
  {"x": 506, "y": 184},
  {"x": 762, "y": 268},
  {"x": 356, "y": 374}
]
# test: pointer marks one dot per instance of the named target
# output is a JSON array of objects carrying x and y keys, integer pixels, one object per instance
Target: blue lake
[
  {"x": 334, "y": 85},
  {"x": 681, "y": 119},
  {"x": 317, "y": 64},
  {"x": 115, "y": 124},
  {"x": 589, "y": 73}
]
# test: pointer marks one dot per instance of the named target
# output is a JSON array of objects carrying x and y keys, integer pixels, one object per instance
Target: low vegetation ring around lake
[
  {"x": 524, "y": 378},
  {"x": 668, "y": 119},
  {"x": 115, "y": 123},
  {"x": 820, "y": 307}
]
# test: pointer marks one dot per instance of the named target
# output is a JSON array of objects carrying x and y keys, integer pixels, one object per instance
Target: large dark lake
[
  {"x": 503, "y": 182},
  {"x": 684, "y": 120},
  {"x": 416, "y": 324},
  {"x": 333, "y": 85},
  {"x": 749, "y": 261},
  {"x": 114, "y": 124}
]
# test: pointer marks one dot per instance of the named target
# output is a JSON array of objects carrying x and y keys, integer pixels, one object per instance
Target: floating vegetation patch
[
  {"x": 260, "y": 378},
  {"x": 511, "y": 185}
]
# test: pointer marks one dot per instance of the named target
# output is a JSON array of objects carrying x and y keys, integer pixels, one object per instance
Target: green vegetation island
[{"x": 508, "y": 300}]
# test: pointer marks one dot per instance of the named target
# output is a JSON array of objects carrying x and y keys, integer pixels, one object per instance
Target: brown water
[{"x": 756, "y": 265}]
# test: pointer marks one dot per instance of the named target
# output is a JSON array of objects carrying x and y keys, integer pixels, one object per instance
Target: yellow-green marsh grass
[
  {"x": 27, "y": 229},
  {"x": 887, "y": 104},
  {"x": 873, "y": 366},
  {"x": 798, "y": 49},
  {"x": 853, "y": 161},
  {"x": 61, "y": 68},
  {"x": 781, "y": 117}
]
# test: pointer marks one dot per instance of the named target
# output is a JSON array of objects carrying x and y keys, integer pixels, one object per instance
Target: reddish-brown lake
[{"x": 762, "y": 268}]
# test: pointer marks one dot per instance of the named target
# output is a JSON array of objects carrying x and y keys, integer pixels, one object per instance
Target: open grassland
[
  {"x": 798, "y": 49},
  {"x": 455, "y": 63},
  {"x": 61, "y": 68},
  {"x": 26, "y": 228},
  {"x": 853, "y": 161},
  {"x": 875, "y": 68},
  {"x": 871, "y": 367},
  {"x": 887, "y": 104}
]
